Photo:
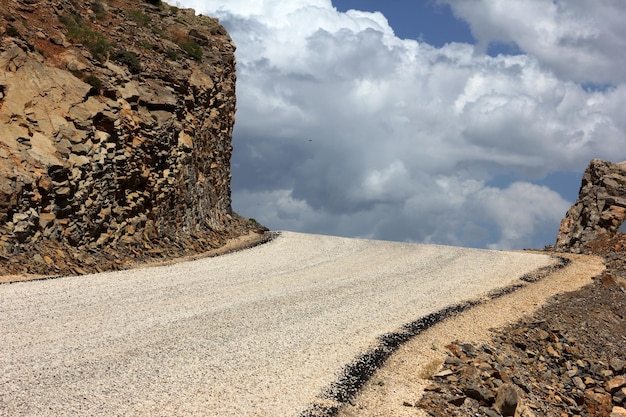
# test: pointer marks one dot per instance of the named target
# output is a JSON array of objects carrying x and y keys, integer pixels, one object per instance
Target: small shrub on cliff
[
  {"x": 78, "y": 74},
  {"x": 192, "y": 49},
  {"x": 180, "y": 35},
  {"x": 141, "y": 19},
  {"x": 95, "y": 83},
  {"x": 11, "y": 31},
  {"x": 70, "y": 20},
  {"x": 81, "y": 33},
  {"x": 154, "y": 2},
  {"x": 98, "y": 9},
  {"x": 145, "y": 45},
  {"x": 92, "y": 80},
  {"x": 173, "y": 55},
  {"x": 130, "y": 59}
]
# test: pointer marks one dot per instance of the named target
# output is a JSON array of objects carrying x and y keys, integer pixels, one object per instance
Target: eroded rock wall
[
  {"x": 600, "y": 208},
  {"x": 115, "y": 150}
]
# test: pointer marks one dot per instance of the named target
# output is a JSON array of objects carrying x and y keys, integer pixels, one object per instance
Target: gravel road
[{"x": 260, "y": 332}]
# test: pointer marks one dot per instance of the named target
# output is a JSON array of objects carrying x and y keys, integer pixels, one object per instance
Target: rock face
[
  {"x": 600, "y": 208},
  {"x": 115, "y": 143}
]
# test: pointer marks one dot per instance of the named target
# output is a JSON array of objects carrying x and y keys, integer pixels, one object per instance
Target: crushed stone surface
[{"x": 258, "y": 332}]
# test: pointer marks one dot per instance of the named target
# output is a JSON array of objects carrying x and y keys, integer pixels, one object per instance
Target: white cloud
[
  {"x": 342, "y": 128},
  {"x": 389, "y": 184},
  {"x": 579, "y": 40},
  {"x": 519, "y": 210}
]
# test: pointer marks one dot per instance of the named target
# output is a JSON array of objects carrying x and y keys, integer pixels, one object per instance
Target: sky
[{"x": 455, "y": 122}]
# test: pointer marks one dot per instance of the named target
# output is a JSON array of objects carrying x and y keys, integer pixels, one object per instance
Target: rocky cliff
[
  {"x": 600, "y": 209},
  {"x": 116, "y": 121}
]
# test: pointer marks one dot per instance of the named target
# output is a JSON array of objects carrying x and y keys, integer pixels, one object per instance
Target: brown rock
[
  {"x": 506, "y": 400},
  {"x": 444, "y": 373},
  {"x": 480, "y": 394},
  {"x": 526, "y": 411},
  {"x": 578, "y": 382},
  {"x": 618, "y": 412},
  {"x": 45, "y": 219},
  {"x": 597, "y": 404},
  {"x": 457, "y": 400},
  {"x": 553, "y": 352},
  {"x": 620, "y": 396},
  {"x": 615, "y": 383},
  {"x": 455, "y": 350},
  {"x": 607, "y": 280},
  {"x": 617, "y": 365}
]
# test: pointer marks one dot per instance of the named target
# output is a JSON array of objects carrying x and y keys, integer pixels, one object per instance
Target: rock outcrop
[
  {"x": 115, "y": 142},
  {"x": 599, "y": 210}
]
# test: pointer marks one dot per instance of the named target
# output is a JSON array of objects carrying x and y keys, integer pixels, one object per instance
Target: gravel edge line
[
  {"x": 267, "y": 237},
  {"x": 354, "y": 375}
]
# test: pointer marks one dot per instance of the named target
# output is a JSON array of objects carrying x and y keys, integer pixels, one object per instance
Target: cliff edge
[{"x": 115, "y": 146}]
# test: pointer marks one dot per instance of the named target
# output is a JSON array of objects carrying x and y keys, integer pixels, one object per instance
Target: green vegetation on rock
[
  {"x": 81, "y": 33},
  {"x": 130, "y": 59}
]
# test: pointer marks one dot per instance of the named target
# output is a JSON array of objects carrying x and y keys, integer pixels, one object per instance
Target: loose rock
[{"x": 565, "y": 360}]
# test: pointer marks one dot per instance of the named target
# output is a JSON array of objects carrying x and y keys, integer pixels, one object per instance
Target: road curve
[{"x": 260, "y": 332}]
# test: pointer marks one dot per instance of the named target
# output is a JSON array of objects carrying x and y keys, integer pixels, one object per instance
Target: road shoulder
[{"x": 401, "y": 381}]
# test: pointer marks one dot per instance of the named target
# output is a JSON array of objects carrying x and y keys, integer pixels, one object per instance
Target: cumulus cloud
[
  {"x": 343, "y": 128},
  {"x": 577, "y": 39},
  {"x": 521, "y": 210}
]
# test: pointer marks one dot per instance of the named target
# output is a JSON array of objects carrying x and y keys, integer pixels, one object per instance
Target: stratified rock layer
[
  {"x": 600, "y": 208},
  {"x": 117, "y": 120}
]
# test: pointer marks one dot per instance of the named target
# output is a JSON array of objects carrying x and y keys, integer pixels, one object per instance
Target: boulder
[{"x": 599, "y": 210}]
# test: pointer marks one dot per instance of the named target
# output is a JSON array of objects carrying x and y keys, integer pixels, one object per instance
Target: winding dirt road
[{"x": 260, "y": 332}]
